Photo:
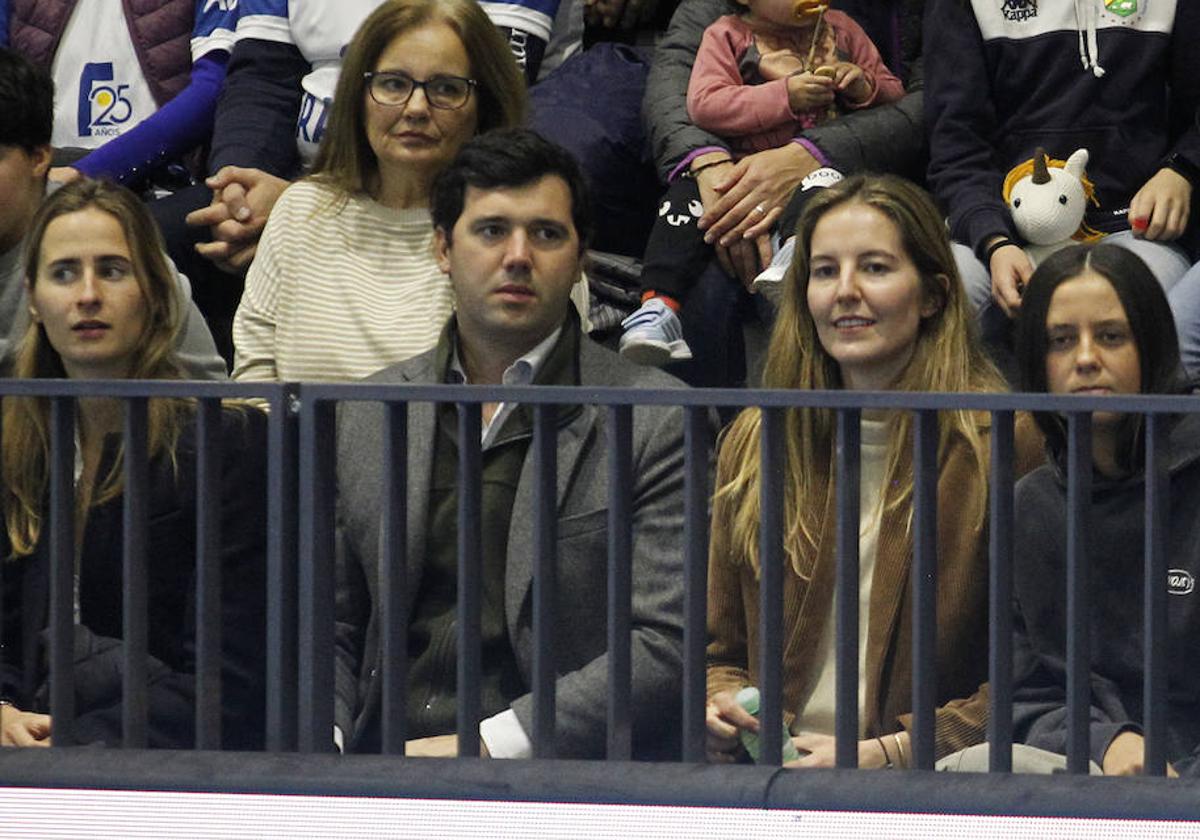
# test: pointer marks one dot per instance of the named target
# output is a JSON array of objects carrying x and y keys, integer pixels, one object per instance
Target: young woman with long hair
[
  {"x": 103, "y": 305},
  {"x": 872, "y": 302}
]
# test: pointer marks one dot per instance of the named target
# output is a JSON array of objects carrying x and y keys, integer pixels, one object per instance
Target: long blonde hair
[
  {"x": 947, "y": 357},
  {"x": 25, "y": 446}
]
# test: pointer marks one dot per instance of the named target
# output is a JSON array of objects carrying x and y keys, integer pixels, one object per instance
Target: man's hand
[
  {"x": 851, "y": 82},
  {"x": 1159, "y": 211},
  {"x": 1011, "y": 270},
  {"x": 809, "y": 91},
  {"x": 724, "y": 718},
  {"x": 242, "y": 201},
  {"x": 64, "y": 174},
  {"x": 438, "y": 746},
  {"x": 1126, "y": 756},
  {"x": 23, "y": 729},
  {"x": 753, "y": 193}
]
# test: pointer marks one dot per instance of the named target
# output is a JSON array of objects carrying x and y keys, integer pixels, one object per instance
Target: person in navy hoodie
[{"x": 1095, "y": 321}]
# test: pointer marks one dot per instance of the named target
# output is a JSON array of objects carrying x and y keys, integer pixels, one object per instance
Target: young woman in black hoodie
[{"x": 1095, "y": 321}]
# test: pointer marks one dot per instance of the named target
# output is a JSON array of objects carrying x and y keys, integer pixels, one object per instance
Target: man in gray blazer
[{"x": 512, "y": 223}]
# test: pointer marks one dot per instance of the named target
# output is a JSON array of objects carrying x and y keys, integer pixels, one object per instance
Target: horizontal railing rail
[{"x": 301, "y": 550}]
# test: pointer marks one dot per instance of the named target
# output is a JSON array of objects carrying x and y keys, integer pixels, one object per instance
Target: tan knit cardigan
[{"x": 962, "y": 593}]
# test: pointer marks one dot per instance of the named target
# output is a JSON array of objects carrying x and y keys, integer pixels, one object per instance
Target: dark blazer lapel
[
  {"x": 421, "y": 429},
  {"x": 572, "y": 442}
]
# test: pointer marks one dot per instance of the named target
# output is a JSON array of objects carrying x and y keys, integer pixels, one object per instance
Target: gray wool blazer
[{"x": 580, "y": 632}]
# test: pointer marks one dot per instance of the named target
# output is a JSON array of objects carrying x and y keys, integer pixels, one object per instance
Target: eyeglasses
[{"x": 392, "y": 89}]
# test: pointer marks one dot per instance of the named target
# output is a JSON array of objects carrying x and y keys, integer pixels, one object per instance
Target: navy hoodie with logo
[
  {"x": 1115, "y": 551},
  {"x": 1120, "y": 78}
]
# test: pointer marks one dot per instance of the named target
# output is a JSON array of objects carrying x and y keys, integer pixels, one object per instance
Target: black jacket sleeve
[
  {"x": 961, "y": 118},
  {"x": 255, "y": 125}
]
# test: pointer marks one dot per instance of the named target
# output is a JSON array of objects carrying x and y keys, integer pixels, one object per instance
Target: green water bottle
[{"x": 748, "y": 698}]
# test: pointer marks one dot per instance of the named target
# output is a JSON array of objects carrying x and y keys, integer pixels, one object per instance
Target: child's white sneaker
[{"x": 653, "y": 335}]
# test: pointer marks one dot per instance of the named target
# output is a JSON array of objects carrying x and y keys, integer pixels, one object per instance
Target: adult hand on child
[
  {"x": 1159, "y": 211},
  {"x": 242, "y": 201},
  {"x": 1011, "y": 269},
  {"x": 809, "y": 91},
  {"x": 724, "y": 718},
  {"x": 753, "y": 193},
  {"x": 23, "y": 729}
]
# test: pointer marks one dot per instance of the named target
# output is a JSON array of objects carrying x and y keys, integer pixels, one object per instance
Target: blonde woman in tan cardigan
[{"x": 873, "y": 302}]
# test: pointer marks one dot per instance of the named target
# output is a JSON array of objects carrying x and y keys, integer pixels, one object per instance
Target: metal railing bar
[
  {"x": 559, "y": 394},
  {"x": 1000, "y": 593},
  {"x": 125, "y": 388},
  {"x": 317, "y": 547},
  {"x": 847, "y": 586},
  {"x": 208, "y": 574},
  {"x": 771, "y": 569},
  {"x": 777, "y": 398},
  {"x": 470, "y": 570},
  {"x": 282, "y": 591},
  {"x": 924, "y": 581},
  {"x": 62, "y": 569},
  {"x": 1154, "y": 705},
  {"x": 545, "y": 577},
  {"x": 1079, "y": 499},
  {"x": 393, "y": 581},
  {"x": 697, "y": 443},
  {"x": 620, "y": 580},
  {"x": 135, "y": 630}
]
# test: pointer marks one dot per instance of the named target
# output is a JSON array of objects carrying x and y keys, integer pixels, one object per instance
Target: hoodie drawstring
[{"x": 1089, "y": 50}]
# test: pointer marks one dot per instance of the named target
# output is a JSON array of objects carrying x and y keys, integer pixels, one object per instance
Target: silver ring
[{"x": 760, "y": 210}]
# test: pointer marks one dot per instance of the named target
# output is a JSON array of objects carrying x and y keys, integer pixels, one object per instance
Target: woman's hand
[
  {"x": 1159, "y": 211},
  {"x": 23, "y": 729},
  {"x": 724, "y": 718},
  {"x": 753, "y": 193},
  {"x": 1126, "y": 756},
  {"x": 1010, "y": 269},
  {"x": 809, "y": 91},
  {"x": 242, "y": 201},
  {"x": 822, "y": 752}
]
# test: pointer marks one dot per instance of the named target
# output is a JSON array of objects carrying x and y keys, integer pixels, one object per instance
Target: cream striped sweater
[{"x": 337, "y": 294}]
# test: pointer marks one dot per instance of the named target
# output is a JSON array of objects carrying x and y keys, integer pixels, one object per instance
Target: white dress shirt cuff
[{"x": 504, "y": 737}]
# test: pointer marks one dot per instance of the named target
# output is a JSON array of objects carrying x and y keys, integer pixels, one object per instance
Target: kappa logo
[
  {"x": 1019, "y": 10},
  {"x": 1180, "y": 582},
  {"x": 222, "y": 5}
]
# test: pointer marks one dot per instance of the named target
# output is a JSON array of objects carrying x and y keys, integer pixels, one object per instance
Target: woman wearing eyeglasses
[{"x": 344, "y": 281}]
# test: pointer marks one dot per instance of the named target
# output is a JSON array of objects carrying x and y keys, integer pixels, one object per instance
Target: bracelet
[
  {"x": 692, "y": 173},
  {"x": 993, "y": 248},
  {"x": 887, "y": 759},
  {"x": 900, "y": 749}
]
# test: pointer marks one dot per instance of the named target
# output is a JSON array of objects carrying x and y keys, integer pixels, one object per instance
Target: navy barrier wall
[{"x": 301, "y": 610}]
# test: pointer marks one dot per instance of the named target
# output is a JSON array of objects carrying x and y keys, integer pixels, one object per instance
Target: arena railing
[{"x": 300, "y": 609}]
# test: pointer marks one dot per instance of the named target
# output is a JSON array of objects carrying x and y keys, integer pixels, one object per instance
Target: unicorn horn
[{"x": 1041, "y": 172}]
